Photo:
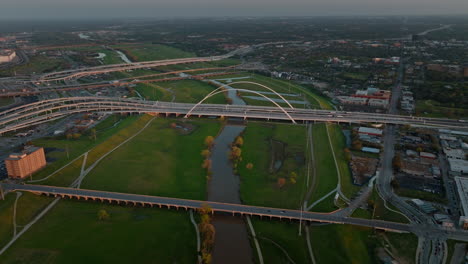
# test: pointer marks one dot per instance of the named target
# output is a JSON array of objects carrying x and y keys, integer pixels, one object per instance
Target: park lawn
[
  {"x": 159, "y": 161},
  {"x": 380, "y": 212},
  {"x": 285, "y": 235},
  {"x": 404, "y": 245},
  {"x": 431, "y": 108},
  {"x": 28, "y": 206},
  {"x": 6, "y": 218},
  {"x": 154, "y": 92},
  {"x": 362, "y": 213},
  {"x": 259, "y": 185},
  {"x": 343, "y": 244},
  {"x": 251, "y": 101},
  {"x": 77, "y": 147},
  {"x": 72, "y": 233},
  {"x": 327, "y": 205},
  {"x": 339, "y": 144},
  {"x": 191, "y": 91},
  {"x": 149, "y": 52},
  {"x": 37, "y": 64},
  {"x": 327, "y": 177},
  {"x": 6, "y": 101}
]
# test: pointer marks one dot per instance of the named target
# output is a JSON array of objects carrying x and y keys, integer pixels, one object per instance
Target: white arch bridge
[{"x": 48, "y": 110}]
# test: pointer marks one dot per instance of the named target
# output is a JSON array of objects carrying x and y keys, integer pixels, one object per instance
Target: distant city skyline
[{"x": 23, "y": 9}]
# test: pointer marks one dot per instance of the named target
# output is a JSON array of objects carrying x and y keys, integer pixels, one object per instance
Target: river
[{"x": 232, "y": 243}]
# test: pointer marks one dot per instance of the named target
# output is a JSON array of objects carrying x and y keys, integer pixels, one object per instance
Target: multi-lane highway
[
  {"x": 235, "y": 209},
  {"x": 47, "y": 110}
]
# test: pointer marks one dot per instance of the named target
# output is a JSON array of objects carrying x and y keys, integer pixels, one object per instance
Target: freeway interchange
[{"x": 48, "y": 110}]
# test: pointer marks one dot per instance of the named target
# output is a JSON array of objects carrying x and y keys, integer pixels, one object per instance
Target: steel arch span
[
  {"x": 243, "y": 90},
  {"x": 255, "y": 83}
]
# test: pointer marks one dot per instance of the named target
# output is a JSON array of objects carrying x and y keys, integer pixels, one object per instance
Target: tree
[
  {"x": 69, "y": 136},
  {"x": 281, "y": 182},
  {"x": 348, "y": 155},
  {"x": 206, "y": 164},
  {"x": 235, "y": 153},
  {"x": 356, "y": 144},
  {"x": 93, "y": 134},
  {"x": 395, "y": 185},
  {"x": 209, "y": 141},
  {"x": 206, "y": 153},
  {"x": 76, "y": 135},
  {"x": 103, "y": 215},
  {"x": 249, "y": 166},
  {"x": 239, "y": 141},
  {"x": 173, "y": 125},
  {"x": 397, "y": 162}
]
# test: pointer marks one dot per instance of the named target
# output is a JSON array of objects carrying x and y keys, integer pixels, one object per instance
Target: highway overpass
[
  {"x": 48, "y": 110},
  {"x": 267, "y": 213},
  {"x": 185, "y": 204}
]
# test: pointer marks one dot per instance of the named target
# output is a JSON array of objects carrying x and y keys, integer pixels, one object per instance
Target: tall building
[{"x": 30, "y": 160}]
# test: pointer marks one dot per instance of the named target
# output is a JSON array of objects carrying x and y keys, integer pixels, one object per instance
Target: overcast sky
[{"x": 22, "y": 9}]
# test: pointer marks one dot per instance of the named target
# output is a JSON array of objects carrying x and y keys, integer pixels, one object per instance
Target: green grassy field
[
  {"x": 77, "y": 147},
  {"x": 6, "y": 101},
  {"x": 72, "y": 233},
  {"x": 343, "y": 244},
  {"x": 148, "y": 52},
  {"x": 338, "y": 142},
  {"x": 190, "y": 91},
  {"x": 327, "y": 179},
  {"x": 37, "y": 64},
  {"x": 429, "y": 108},
  {"x": 259, "y": 184},
  {"x": 160, "y": 161},
  {"x": 274, "y": 237},
  {"x": 379, "y": 211},
  {"x": 404, "y": 245}
]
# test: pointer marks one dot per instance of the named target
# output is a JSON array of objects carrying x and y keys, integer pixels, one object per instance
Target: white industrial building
[
  {"x": 7, "y": 55},
  {"x": 458, "y": 167},
  {"x": 462, "y": 190},
  {"x": 454, "y": 153}
]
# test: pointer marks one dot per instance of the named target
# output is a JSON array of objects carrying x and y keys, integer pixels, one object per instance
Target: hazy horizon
[{"x": 89, "y": 9}]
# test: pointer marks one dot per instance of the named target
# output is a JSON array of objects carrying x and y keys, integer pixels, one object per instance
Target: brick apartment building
[{"x": 21, "y": 165}]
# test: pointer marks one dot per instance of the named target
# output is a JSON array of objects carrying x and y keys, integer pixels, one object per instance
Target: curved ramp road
[{"x": 48, "y": 110}]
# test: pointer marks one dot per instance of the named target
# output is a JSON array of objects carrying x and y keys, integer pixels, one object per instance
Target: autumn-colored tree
[
  {"x": 347, "y": 154},
  {"x": 397, "y": 162},
  {"x": 249, "y": 166},
  {"x": 235, "y": 153},
  {"x": 293, "y": 177},
  {"x": 206, "y": 153},
  {"x": 173, "y": 125},
  {"x": 281, "y": 182},
  {"x": 356, "y": 145},
  {"x": 239, "y": 141},
  {"x": 209, "y": 141},
  {"x": 93, "y": 134},
  {"x": 69, "y": 136},
  {"x": 206, "y": 164},
  {"x": 103, "y": 215}
]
